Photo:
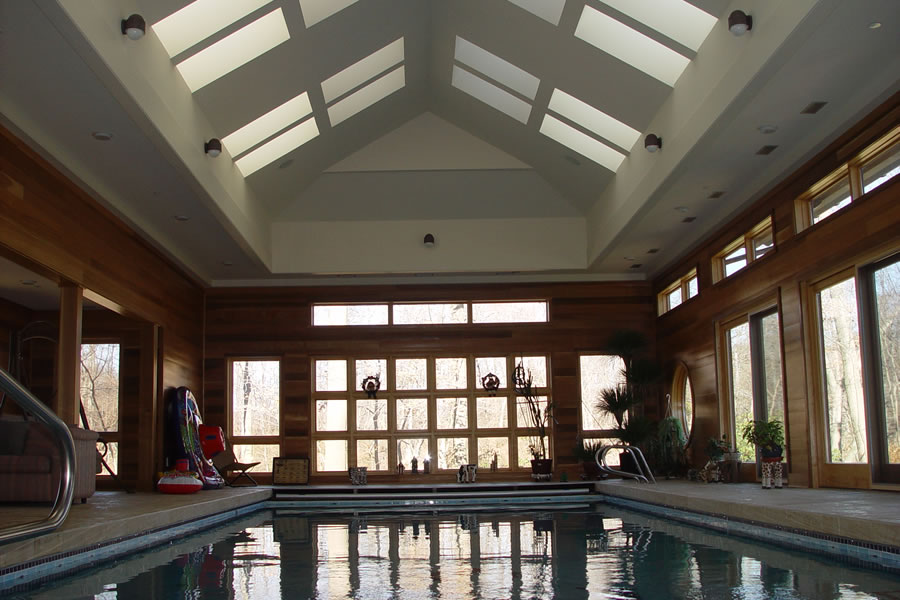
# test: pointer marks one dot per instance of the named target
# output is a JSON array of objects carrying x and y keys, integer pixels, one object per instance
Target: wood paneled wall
[
  {"x": 277, "y": 322},
  {"x": 869, "y": 228}
]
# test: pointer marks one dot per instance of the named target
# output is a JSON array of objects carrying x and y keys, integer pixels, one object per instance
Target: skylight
[
  {"x": 593, "y": 120},
  {"x": 581, "y": 143},
  {"x": 364, "y": 98},
  {"x": 496, "y": 68},
  {"x": 267, "y": 125},
  {"x": 548, "y": 10},
  {"x": 319, "y": 10},
  {"x": 278, "y": 147},
  {"x": 626, "y": 44},
  {"x": 199, "y": 20},
  {"x": 361, "y": 71},
  {"x": 491, "y": 95},
  {"x": 676, "y": 19},
  {"x": 235, "y": 50}
]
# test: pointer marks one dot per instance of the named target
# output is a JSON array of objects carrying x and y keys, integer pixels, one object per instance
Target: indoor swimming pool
[{"x": 599, "y": 552}]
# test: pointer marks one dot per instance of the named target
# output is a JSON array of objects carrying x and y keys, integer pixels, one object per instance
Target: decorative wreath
[
  {"x": 371, "y": 385},
  {"x": 491, "y": 383}
]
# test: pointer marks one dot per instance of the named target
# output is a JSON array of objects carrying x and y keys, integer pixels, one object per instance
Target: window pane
[
  {"x": 261, "y": 453},
  {"x": 372, "y": 454},
  {"x": 351, "y": 314},
  {"x": 111, "y": 458},
  {"x": 412, "y": 413},
  {"x": 331, "y": 415},
  {"x": 100, "y": 385},
  {"x": 331, "y": 375},
  {"x": 523, "y": 412},
  {"x": 524, "y": 444},
  {"x": 598, "y": 372},
  {"x": 452, "y": 413},
  {"x": 887, "y": 311},
  {"x": 411, "y": 373},
  {"x": 831, "y": 200},
  {"x": 409, "y": 448},
  {"x": 255, "y": 393},
  {"x": 885, "y": 167},
  {"x": 536, "y": 366},
  {"x": 771, "y": 355},
  {"x": 495, "y": 365},
  {"x": 430, "y": 314},
  {"x": 740, "y": 382},
  {"x": 490, "y": 447},
  {"x": 452, "y": 452},
  {"x": 688, "y": 407},
  {"x": 693, "y": 287},
  {"x": 673, "y": 298},
  {"x": 509, "y": 312},
  {"x": 450, "y": 373},
  {"x": 376, "y": 367},
  {"x": 735, "y": 260},
  {"x": 842, "y": 367},
  {"x": 491, "y": 412},
  {"x": 371, "y": 415},
  {"x": 763, "y": 243},
  {"x": 331, "y": 455}
]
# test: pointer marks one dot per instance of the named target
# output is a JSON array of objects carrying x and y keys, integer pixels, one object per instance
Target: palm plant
[{"x": 617, "y": 401}]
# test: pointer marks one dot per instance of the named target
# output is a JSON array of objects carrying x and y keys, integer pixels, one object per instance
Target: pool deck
[{"x": 870, "y": 516}]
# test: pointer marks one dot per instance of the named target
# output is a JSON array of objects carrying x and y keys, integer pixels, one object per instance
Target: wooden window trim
[
  {"x": 745, "y": 240},
  {"x": 662, "y": 298}
]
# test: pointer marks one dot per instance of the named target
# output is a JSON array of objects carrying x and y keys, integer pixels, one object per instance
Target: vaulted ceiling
[{"x": 512, "y": 130}]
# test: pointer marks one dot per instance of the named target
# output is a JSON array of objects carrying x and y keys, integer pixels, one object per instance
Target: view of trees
[
  {"x": 255, "y": 408},
  {"x": 598, "y": 372},
  {"x": 100, "y": 392},
  {"x": 887, "y": 307}
]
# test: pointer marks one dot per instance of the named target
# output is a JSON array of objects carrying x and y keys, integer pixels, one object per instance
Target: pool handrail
[
  {"x": 61, "y": 434},
  {"x": 645, "y": 475}
]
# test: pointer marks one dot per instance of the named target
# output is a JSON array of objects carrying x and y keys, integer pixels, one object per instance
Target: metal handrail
[
  {"x": 645, "y": 475},
  {"x": 61, "y": 433}
]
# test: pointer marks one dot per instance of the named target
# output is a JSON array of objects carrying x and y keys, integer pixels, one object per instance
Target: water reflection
[{"x": 598, "y": 553}]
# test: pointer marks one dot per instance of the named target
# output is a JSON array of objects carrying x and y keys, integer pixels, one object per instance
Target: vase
[{"x": 541, "y": 469}]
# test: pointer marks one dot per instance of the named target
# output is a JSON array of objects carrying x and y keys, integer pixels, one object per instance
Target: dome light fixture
[
  {"x": 739, "y": 23},
  {"x": 134, "y": 27},
  {"x": 428, "y": 241},
  {"x": 213, "y": 147},
  {"x": 652, "y": 142}
]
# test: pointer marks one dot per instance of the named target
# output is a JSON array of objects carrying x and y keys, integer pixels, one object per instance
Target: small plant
[
  {"x": 717, "y": 447},
  {"x": 768, "y": 436},
  {"x": 586, "y": 451}
]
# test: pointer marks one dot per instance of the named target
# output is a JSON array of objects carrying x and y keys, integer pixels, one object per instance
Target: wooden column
[
  {"x": 149, "y": 408},
  {"x": 68, "y": 359}
]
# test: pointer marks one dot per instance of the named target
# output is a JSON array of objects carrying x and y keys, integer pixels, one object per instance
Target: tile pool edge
[{"x": 846, "y": 550}]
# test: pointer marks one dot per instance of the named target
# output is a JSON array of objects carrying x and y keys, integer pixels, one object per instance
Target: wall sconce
[
  {"x": 134, "y": 27},
  {"x": 739, "y": 23},
  {"x": 213, "y": 147},
  {"x": 652, "y": 142},
  {"x": 428, "y": 241}
]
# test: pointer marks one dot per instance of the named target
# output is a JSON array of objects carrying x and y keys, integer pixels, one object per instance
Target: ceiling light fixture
[
  {"x": 681, "y": 209},
  {"x": 213, "y": 147},
  {"x": 874, "y": 25},
  {"x": 428, "y": 241},
  {"x": 134, "y": 27},
  {"x": 102, "y": 136},
  {"x": 29, "y": 282},
  {"x": 739, "y": 23},
  {"x": 767, "y": 129},
  {"x": 181, "y": 218},
  {"x": 652, "y": 142}
]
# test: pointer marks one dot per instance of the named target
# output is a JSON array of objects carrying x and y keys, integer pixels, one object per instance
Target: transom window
[
  {"x": 438, "y": 313},
  {"x": 255, "y": 409},
  {"x": 751, "y": 246},
  {"x": 677, "y": 292},
  {"x": 425, "y": 407}
]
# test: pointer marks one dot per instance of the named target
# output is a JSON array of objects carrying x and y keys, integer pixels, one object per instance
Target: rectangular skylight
[
  {"x": 278, "y": 147},
  {"x": 548, "y": 10},
  {"x": 676, "y": 19},
  {"x": 319, "y": 10},
  {"x": 491, "y": 95},
  {"x": 267, "y": 125},
  {"x": 199, "y": 20},
  {"x": 237, "y": 49},
  {"x": 496, "y": 68},
  {"x": 593, "y": 120},
  {"x": 364, "y": 98},
  {"x": 626, "y": 44},
  {"x": 363, "y": 70},
  {"x": 581, "y": 143}
]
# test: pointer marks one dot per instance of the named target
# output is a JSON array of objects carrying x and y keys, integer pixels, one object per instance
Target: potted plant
[
  {"x": 538, "y": 419},
  {"x": 768, "y": 437},
  {"x": 586, "y": 452}
]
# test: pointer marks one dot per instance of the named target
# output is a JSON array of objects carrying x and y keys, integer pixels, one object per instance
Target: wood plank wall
[
  {"x": 277, "y": 322},
  {"x": 866, "y": 230}
]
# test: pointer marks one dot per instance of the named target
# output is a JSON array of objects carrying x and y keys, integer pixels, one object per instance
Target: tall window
[
  {"x": 598, "y": 372},
  {"x": 750, "y": 247},
  {"x": 255, "y": 410},
  {"x": 100, "y": 395},
  {"x": 425, "y": 407}
]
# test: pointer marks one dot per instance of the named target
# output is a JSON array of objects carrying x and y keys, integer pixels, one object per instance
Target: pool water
[{"x": 601, "y": 552}]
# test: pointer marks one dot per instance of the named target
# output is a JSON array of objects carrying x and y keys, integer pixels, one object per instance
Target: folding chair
[{"x": 225, "y": 461}]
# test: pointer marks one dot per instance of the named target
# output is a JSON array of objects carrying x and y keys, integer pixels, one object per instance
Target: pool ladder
[{"x": 644, "y": 474}]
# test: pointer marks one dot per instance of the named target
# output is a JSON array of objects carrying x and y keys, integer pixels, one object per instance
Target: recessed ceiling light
[
  {"x": 874, "y": 25},
  {"x": 29, "y": 282},
  {"x": 227, "y": 263},
  {"x": 765, "y": 150},
  {"x": 767, "y": 129},
  {"x": 102, "y": 136},
  {"x": 682, "y": 209},
  {"x": 181, "y": 218},
  {"x": 631, "y": 258},
  {"x": 717, "y": 194},
  {"x": 652, "y": 250},
  {"x": 812, "y": 108}
]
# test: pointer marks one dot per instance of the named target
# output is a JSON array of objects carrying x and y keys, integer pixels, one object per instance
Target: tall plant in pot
[
  {"x": 768, "y": 437},
  {"x": 539, "y": 415}
]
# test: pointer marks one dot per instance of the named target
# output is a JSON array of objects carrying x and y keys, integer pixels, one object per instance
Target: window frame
[
  {"x": 110, "y": 437},
  {"x": 682, "y": 283},
  {"x": 680, "y": 380},
  {"x": 612, "y": 432},
  {"x": 470, "y": 304},
  {"x": 253, "y": 440},
  {"x": 767, "y": 225}
]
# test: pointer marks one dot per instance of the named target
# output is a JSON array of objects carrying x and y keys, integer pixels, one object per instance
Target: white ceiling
[{"x": 504, "y": 201}]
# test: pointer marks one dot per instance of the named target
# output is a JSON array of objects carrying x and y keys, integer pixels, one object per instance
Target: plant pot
[
  {"x": 627, "y": 463},
  {"x": 541, "y": 469},
  {"x": 774, "y": 452},
  {"x": 591, "y": 470}
]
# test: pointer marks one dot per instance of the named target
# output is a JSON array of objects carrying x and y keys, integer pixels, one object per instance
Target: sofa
[{"x": 30, "y": 464}]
